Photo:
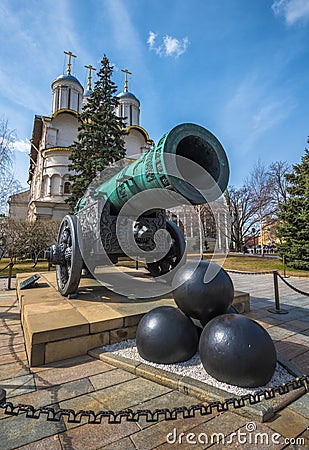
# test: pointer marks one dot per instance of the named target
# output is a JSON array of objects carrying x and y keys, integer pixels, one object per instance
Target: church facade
[{"x": 51, "y": 139}]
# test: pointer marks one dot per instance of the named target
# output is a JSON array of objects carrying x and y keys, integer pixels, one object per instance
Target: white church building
[{"x": 51, "y": 139}]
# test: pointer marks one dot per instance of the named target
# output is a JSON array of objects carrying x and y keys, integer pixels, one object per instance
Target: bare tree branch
[{"x": 8, "y": 184}]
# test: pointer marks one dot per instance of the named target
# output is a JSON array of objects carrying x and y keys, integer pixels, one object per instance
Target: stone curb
[{"x": 261, "y": 412}]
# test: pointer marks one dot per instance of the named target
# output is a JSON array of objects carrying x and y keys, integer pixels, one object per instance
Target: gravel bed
[{"x": 193, "y": 368}]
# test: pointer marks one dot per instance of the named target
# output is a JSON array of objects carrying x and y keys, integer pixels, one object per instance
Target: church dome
[
  {"x": 66, "y": 78},
  {"x": 67, "y": 93},
  {"x": 127, "y": 95}
]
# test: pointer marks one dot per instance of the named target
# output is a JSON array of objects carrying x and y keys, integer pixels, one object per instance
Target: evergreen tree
[
  {"x": 294, "y": 216},
  {"x": 100, "y": 135}
]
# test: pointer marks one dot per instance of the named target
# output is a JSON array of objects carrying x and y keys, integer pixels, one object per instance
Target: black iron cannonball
[
  {"x": 165, "y": 335},
  {"x": 231, "y": 310},
  {"x": 237, "y": 350},
  {"x": 203, "y": 291}
]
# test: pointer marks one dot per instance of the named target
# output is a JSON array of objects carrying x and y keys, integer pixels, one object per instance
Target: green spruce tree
[
  {"x": 294, "y": 216},
  {"x": 100, "y": 135}
]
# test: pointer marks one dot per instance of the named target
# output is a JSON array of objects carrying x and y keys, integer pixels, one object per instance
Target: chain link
[
  {"x": 130, "y": 415},
  {"x": 292, "y": 287}
]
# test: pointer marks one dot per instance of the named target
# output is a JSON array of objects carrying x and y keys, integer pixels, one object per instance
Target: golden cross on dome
[
  {"x": 90, "y": 75},
  {"x": 127, "y": 79},
  {"x": 70, "y": 55}
]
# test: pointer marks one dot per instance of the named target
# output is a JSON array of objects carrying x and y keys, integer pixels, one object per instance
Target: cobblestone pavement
[{"x": 87, "y": 383}]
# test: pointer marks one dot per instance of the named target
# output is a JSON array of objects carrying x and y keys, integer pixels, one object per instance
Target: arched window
[
  {"x": 55, "y": 185},
  {"x": 66, "y": 187}
]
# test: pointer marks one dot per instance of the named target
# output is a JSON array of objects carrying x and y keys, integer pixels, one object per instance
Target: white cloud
[
  {"x": 151, "y": 39},
  {"x": 170, "y": 46},
  {"x": 22, "y": 146},
  {"x": 292, "y": 10}
]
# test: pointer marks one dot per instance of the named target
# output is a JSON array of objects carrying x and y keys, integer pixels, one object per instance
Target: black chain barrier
[
  {"x": 8, "y": 265},
  {"x": 292, "y": 287},
  {"x": 130, "y": 415},
  {"x": 248, "y": 273}
]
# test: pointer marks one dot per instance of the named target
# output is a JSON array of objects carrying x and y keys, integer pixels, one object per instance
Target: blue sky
[{"x": 239, "y": 68}]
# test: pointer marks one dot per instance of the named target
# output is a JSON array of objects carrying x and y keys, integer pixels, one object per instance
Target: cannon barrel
[
  {"x": 188, "y": 161},
  {"x": 152, "y": 170}
]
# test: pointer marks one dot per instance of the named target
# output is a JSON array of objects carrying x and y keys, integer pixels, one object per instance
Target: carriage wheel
[
  {"x": 69, "y": 268},
  {"x": 174, "y": 255}
]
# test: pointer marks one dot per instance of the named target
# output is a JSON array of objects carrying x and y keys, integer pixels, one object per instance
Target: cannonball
[
  {"x": 231, "y": 310},
  {"x": 165, "y": 335},
  {"x": 237, "y": 350},
  {"x": 203, "y": 290}
]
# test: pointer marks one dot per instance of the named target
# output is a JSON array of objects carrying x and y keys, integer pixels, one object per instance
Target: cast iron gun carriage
[{"x": 165, "y": 168}]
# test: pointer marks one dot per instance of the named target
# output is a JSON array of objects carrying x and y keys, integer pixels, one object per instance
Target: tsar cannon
[{"x": 168, "y": 174}]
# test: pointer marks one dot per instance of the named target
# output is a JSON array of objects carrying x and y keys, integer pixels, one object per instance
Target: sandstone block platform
[{"x": 57, "y": 327}]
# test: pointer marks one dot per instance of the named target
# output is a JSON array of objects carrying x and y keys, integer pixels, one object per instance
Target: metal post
[
  {"x": 277, "y": 309},
  {"x": 2, "y": 396},
  {"x": 284, "y": 268},
  {"x": 10, "y": 275}
]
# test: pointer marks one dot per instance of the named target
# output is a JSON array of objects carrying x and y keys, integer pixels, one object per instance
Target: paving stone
[
  {"x": 301, "y": 406},
  {"x": 110, "y": 378},
  {"x": 264, "y": 324},
  {"x": 155, "y": 435},
  {"x": 7, "y": 301},
  {"x": 12, "y": 349},
  {"x": 170, "y": 400},
  {"x": 305, "y": 437},
  {"x": 297, "y": 325},
  {"x": 132, "y": 393},
  {"x": 18, "y": 431},
  {"x": 18, "y": 385},
  {"x": 8, "y": 329},
  {"x": 92, "y": 437},
  {"x": 279, "y": 333},
  {"x": 7, "y": 321},
  {"x": 290, "y": 349},
  {"x": 56, "y": 394},
  {"x": 119, "y": 361},
  {"x": 302, "y": 361},
  {"x": 65, "y": 363},
  {"x": 49, "y": 443},
  {"x": 13, "y": 357},
  {"x": 123, "y": 444},
  {"x": 9, "y": 341},
  {"x": 16, "y": 369},
  {"x": 59, "y": 375},
  {"x": 302, "y": 337},
  {"x": 85, "y": 402},
  {"x": 288, "y": 423}
]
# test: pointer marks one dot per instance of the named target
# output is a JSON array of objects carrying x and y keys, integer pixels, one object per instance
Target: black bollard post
[
  {"x": 10, "y": 275},
  {"x": 284, "y": 268},
  {"x": 2, "y": 396},
  {"x": 277, "y": 309}
]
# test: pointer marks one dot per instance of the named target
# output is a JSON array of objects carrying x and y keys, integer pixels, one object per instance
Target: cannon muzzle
[{"x": 188, "y": 160}]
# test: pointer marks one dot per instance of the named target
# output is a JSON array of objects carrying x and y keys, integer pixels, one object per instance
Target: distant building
[{"x": 51, "y": 139}]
